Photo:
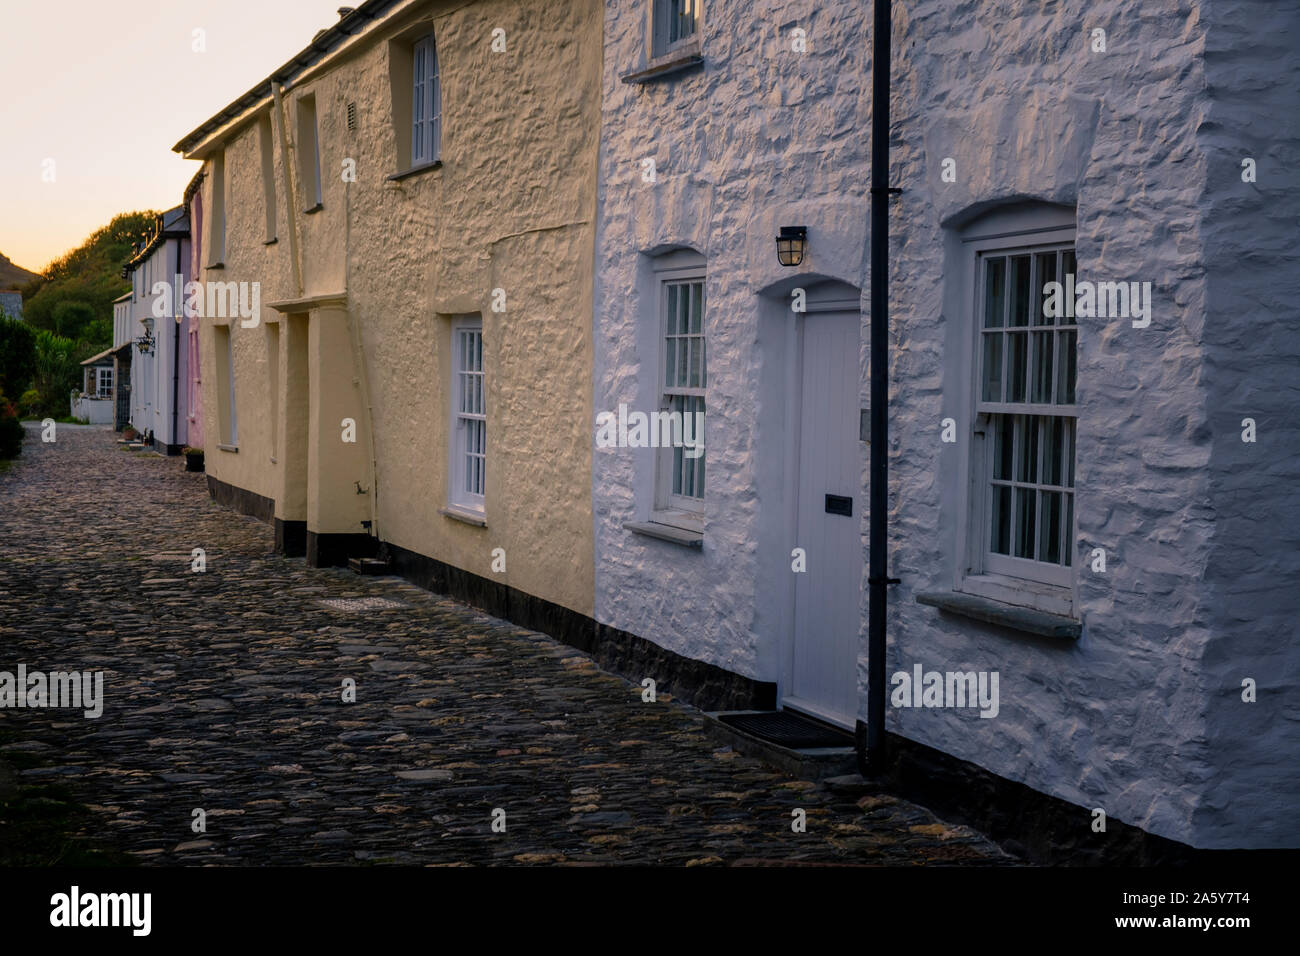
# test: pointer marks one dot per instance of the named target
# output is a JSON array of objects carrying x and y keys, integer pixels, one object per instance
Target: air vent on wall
[{"x": 352, "y": 116}]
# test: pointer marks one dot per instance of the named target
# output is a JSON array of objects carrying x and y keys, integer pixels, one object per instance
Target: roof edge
[{"x": 324, "y": 43}]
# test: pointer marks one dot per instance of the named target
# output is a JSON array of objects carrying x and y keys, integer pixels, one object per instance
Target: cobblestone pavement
[{"x": 223, "y": 692}]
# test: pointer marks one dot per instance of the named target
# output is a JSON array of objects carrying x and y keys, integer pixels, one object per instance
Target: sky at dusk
[{"x": 106, "y": 89}]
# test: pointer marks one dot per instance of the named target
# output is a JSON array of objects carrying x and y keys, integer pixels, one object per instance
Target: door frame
[{"x": 835, "y": 296}]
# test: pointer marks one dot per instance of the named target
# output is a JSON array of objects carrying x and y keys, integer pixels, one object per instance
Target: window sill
[
  {"x": 666, "y": 532},
  {"x": 270, "y": 242},
  {"x": 314, "y": 209},
  {"x": 464, "y": 515},
  {"x": 229, "y": 448},
  {"x": 670, "y": 64},
  {"x": 1010, "y": 616},
  {"x": 215, "y": 265},
  {"x": 414, "y": 171}
]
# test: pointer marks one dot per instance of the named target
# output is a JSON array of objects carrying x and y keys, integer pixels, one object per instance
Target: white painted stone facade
[
  {"x": 1142, "y": 716},
  {"x": 760, "y": 137},
  {"x": 152, "y": 387}
]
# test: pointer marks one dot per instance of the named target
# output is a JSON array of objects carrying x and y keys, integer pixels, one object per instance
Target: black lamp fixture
[
  {"x": 145, "y": 342},
  {"x": 790, "y": 245}
]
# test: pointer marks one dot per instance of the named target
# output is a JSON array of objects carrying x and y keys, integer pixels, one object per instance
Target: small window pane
[
  {"x": 1041, "y": 393},
  {"x": 1054, "y": 452},
  {"x": 1026, "y": 507},
  {"x": 1049, "y": 542},
  {"x": 1027, "y": 448},
  {"x": 1020, "y": 300},
  {"x": 1066, "y": 367},
  {"x": 1003, "y": 446},
  {"x": 1017, "y": 362},
  {"x": 1071, "y": 430},
  {"x": 994, "y": 292},
  {"x": 1046, "y": 262},
  {"x": 1068, "y": 531},
  {"x": 992, "y": 391},
  {"x": 1000, "y": 542}
]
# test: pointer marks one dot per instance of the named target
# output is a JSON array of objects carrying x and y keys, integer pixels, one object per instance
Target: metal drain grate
[
  {"x": 360, "y": 604},
  {"x": 788, "y": 729}
]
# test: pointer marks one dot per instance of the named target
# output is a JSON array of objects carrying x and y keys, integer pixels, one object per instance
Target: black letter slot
[{"x": 839, "y": 505}]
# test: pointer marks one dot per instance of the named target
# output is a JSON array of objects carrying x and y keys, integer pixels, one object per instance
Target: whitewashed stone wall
[
  {"x": 760, "y": 137},
  {"x": 1141, "y": 715},
  {"x": 1252, "y": 341},
  {"x": 151, "y": 373}
]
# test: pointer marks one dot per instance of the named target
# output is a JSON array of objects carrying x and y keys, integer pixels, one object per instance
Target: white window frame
[
  {"x": 1019, "y": 581},
  {"x": 104, "y": 381},
  {"x": 467, "y": 485},
  {"x": 670, "y": 508},
  {"x": 665, "y": 20},
  {"x": 426, "y": 102}
]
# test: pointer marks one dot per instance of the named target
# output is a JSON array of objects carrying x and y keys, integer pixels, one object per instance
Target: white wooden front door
[{"x": 827, "y": 618}]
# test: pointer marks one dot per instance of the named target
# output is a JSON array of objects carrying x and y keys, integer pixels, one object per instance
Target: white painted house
[
  {"x": 1027, "y": 148},
  {"x": 159, "y": 375},
  {"x": 94, "y": 400},
  {"x": 123, "y": 348},
  {"x": 711, "y": 145}
]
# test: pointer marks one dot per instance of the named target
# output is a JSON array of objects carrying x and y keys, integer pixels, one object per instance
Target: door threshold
[
  {"x": 810, "y": 710},
  {"x": 745, "y": 732}
]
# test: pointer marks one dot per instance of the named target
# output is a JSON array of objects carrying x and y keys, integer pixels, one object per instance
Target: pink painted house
[{"x": 193, "y": 202}]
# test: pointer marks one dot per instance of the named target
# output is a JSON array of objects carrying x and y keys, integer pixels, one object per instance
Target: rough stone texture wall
[
  {"x": 1252, "y": 343},
  {"x": 758, "y": 138},
  {"x": 11, "y": 304},
  {"x": 512, "y": 208},
  {"x": 1127, "y": 719}
]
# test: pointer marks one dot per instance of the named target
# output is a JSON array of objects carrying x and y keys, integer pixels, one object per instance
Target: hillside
[
  {"x": 12, "y": 276},
  {"x": 75, "y": 296}
]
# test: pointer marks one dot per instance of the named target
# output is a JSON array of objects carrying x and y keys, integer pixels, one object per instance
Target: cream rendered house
[{"x": 403, "y": 216}]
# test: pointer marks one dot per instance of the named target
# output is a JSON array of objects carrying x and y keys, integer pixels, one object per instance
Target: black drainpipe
[
  {"x": 177, "y": 295},
  {"x": 872, "y": 762}
]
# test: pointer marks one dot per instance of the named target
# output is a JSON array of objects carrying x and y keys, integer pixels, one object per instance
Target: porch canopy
[{"x": 103, "y": 358}]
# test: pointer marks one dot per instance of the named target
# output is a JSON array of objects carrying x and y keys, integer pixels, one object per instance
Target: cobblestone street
[{"x": 222, "y": 691}]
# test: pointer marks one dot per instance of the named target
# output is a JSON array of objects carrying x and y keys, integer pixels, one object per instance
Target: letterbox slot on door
[{"x": 839, "y": 505}]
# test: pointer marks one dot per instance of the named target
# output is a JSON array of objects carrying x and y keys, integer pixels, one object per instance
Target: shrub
[
  {"x": 17, "y": 355},
  {"x": 57, "y": 372},
  {"x": 11, "y": 430}
]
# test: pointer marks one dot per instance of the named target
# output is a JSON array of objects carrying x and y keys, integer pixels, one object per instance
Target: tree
[
  {"x": 57, "y": 371},
  {"x": 71, "y": 318},
  {"x": 89, "y": 276},
  {"x": 17, "y": 355}
]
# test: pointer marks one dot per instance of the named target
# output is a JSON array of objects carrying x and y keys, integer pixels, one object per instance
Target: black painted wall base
[
  {"x": 1025, "y": 821},
  {"x": 333, "y": 550},
  {"x": 163, "y": 448},
  {"x": 290, "y": 538},
  {"x": 241, "y": 500}
]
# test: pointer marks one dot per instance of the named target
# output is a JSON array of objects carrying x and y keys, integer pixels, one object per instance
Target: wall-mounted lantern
[
  {"x": 790, "y": 245},
  {"x": 145, "y": 342}
]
